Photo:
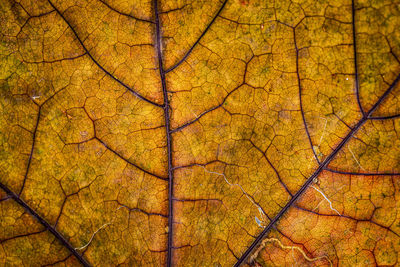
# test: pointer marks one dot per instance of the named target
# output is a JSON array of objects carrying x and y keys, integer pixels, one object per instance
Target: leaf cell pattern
[{"x": 199, "y": 133}]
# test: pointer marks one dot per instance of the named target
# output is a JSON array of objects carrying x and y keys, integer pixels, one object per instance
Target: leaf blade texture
[{"x": 199, "y": 133}]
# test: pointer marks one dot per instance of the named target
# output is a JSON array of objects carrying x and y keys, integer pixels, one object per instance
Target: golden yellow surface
[
  {"x": 360, "y": 229},
  {"x": 171, "y": 133}
]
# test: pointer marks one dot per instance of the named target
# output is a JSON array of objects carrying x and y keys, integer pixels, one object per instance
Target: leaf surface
[{"x": 199, "y": 133}]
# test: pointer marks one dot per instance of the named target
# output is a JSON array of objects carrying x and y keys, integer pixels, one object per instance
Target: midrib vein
[{"x": 166, "y": 109}]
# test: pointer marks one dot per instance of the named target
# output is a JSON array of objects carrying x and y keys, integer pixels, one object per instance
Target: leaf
[{"x": 199, "y": 133}]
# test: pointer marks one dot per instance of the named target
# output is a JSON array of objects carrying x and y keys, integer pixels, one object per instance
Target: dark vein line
[
  {"x": 56, "y": 262},
  {"x": 240, "y": 23},
  {"x": 301, "y": 97},
  {"x": 194, "y": 120},
  {"x": 98, "y": 64},
  {"x": 62, "y": 207},
  {"x": 127, "y": 161},
  {"x": 42, "y": 221},
  {"x": 186, "y": 124},
  {"x": 321, "y": 167},
  {"x": 342, "y": 121},
  {"x": 28, "y": 167},
  {"x": 231, "y": 251},
  {"x": 357, "y": 78},
  {"x": 249, "y": 196},
  {"x": 125, "y": 14},
  {"x": 5, "y": 198},
  {"x": 38, "y": 15},
  {"x": 166, "y": 108},
  {"x": 362, "y": 173},
  {"x": 383, "y": 97},
  {"x": 137, "y": 209},
  {"x": 34, "y": 138},
  {"x": 148, "y": 213},
  {"x": 174, "y": 9},
  {"x": 21, "y": 235},
  {"x": 302, "y": 246},
  {"x": 198, "y": 40},
  {"x": 185, "y": 246},
  {"x": 385, "y": 117},
  {"x": 55, "y": 60},
  {"x": 32, "y": 17},
  {"x": 273, "y": 167},
  {"x": 197, "y": 199},
  {"x": 202, "y": 164},
  {"x": 347, "y": 217},
  {"x": 294, "y": 242}
]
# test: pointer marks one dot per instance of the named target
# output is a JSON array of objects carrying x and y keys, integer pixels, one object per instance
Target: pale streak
[
  {"x": 292, "y": 248},
  {"x": 241, "y": 188},
  {"x": 323, "y": 132},
  {"x": 87, "y": 244},
  {"x": 104, "y": 225},
  {"x": 327, "y": 199},
  {"x": 195, "y": 114},
  {"x": 320, "y": 141},
  {"x": 354, "y": 157},
  {"x": 262, "y": 216},
  {"x": 294, "y": 259},
  {"x": 318, "y": 205}
]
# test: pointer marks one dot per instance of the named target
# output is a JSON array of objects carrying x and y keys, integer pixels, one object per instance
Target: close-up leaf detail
[{"x": 199, "y": 133}]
